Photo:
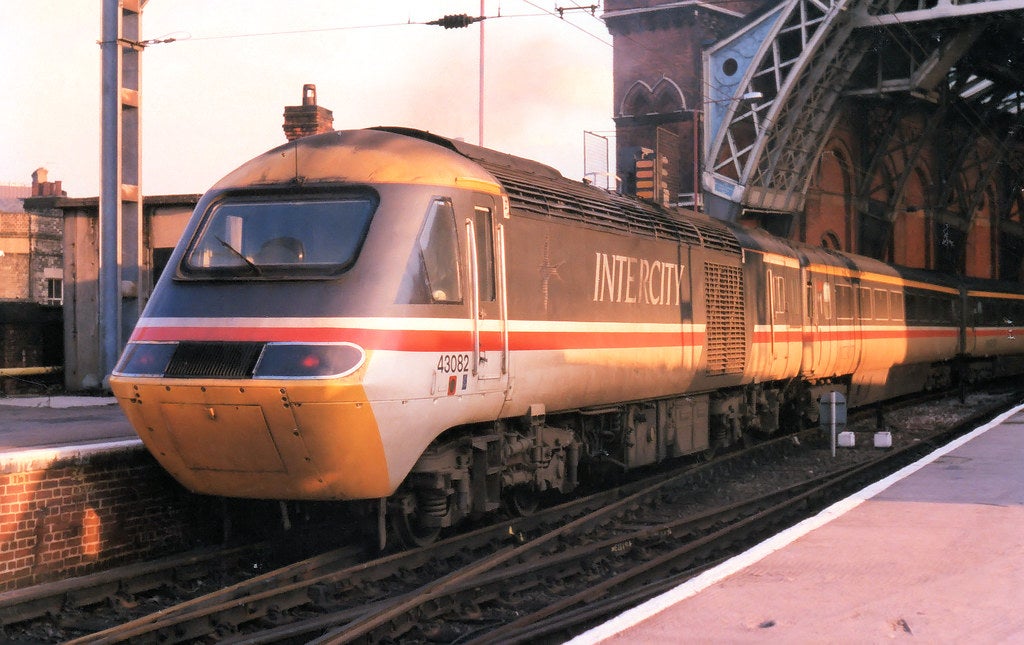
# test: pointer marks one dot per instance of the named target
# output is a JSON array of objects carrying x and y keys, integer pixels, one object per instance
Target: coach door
[
  {"x": 818, "y": 346},
  {"x": 485, "y": 235},
  {"x": 778, "y": 321}
]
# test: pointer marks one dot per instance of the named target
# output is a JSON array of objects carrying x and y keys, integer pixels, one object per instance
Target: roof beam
[{"x": 944, "y": 9}]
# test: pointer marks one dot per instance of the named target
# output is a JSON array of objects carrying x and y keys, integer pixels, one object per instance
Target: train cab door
[{"x": 488, "y": 301}]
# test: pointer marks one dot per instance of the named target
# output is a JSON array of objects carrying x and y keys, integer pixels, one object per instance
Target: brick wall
[
  {"x": 13, "y": 277},
  {"x": 31, "y": 244},
  {"x": 47, "y": 251},
  {"x": 14, "y": 263},
  {"x": 80, "y": 514}
]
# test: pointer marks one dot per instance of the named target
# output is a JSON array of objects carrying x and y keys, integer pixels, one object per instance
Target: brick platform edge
[{"x": 69, "y": 515}]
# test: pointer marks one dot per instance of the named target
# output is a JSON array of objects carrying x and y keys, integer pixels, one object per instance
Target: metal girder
[
  {"x": 773, "y": 89},
  {"x": 899, "y": 149},
  {"x": 934, "y": 69},
  {"x": 987, "y": 172},
  {"x": 779, "y": 179},
  {"x": 902, "y": 12},
  {"x": 1011, "y": 229},
  {"x": 759, "y": 150}
]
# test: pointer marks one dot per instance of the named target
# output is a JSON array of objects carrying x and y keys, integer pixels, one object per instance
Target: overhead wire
[
  {"x": 174, "y": 37},
  {"x": 572, "y": 24}
]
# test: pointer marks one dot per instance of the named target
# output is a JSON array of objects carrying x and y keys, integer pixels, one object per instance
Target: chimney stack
[
  {"x": 308, "y": 118},
  {"x": 43, "y": 188}
]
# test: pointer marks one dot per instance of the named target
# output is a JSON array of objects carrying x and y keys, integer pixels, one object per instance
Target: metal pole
[
  {"x": 480, "y": 117},
  {"x": 110, "y": 190},
  {"x": 120, "y": 209},
  {"x": 832, "y": 399},
  {"x": 696, "y": 158}
]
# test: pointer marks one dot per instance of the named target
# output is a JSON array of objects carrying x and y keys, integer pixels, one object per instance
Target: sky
[{"x": 214, "y": 97}]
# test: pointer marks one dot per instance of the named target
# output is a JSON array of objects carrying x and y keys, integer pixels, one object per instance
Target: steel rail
[{"x": 50, "y": 598}]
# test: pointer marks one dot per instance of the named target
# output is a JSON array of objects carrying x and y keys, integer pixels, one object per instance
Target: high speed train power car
[{"x": 388, "y": 314}]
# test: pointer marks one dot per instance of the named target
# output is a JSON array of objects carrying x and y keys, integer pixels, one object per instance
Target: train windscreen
[{"x": 279, "y": 238}]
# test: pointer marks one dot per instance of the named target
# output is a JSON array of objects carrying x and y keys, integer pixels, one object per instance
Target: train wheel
[
  {"x": 407, "y": 515},
  {"x": 522, "y": 501}
]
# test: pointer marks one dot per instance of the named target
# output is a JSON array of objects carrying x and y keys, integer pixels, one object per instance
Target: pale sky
[{"x": 215, "y": 97}]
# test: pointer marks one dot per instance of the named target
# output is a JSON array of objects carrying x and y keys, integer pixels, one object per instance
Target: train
[{"x": 441, "y": 330}]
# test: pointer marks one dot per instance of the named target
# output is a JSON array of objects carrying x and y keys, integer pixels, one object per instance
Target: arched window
[{"x": 664, "y": 98}]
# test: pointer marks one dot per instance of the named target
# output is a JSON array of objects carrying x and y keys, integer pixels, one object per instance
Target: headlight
[
  {"x": 145, "y": 359},
  {"x": 300, "y": 360}
]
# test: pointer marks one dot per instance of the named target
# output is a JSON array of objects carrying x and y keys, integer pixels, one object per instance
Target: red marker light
[{"x": 313, "y": 360}]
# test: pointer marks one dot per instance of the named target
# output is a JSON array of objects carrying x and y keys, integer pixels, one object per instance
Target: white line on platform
[
  {"x": 57, "y": 402},
  {"x": 36, "y": 458}
]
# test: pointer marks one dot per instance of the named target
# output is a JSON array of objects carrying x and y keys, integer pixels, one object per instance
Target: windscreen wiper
[{"x": 252, "y": 265}]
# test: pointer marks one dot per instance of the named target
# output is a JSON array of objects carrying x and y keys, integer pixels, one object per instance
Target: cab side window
[
  {"x": 439, "y": 251},
  {"x": 485, "y": 254}
]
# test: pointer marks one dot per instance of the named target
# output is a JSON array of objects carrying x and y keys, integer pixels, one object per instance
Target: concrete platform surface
[
  {"x": 932, "y": 554},
  {"x": 48, "y": 422}
]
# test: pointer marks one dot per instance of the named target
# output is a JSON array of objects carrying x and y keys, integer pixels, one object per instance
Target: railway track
[
  {"x": 121, "y": 583},
  {"x": 545, "y": 576}
]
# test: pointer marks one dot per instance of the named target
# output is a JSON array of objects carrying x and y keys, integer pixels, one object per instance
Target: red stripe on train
[{"x": 423, "y": 340}]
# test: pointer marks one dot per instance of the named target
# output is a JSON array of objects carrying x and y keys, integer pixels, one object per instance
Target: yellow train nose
[{"x": 283, "y": 440}]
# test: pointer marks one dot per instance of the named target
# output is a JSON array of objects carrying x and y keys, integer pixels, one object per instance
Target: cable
[
  {"x": 573, "y": 25},
  {"x": 305, "y": 31},
  {"x": 448, "y": 22}
]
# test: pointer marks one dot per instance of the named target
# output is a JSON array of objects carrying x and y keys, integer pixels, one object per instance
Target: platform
[
  {"x": 62, "y": 423},
  {"x": 933, "y": 553}
]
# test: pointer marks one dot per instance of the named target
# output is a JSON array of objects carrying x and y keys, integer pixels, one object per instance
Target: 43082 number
[{"x": 453, "y": 363}]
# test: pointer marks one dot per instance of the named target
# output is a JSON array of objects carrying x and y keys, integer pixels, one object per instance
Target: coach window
[
  {"x": 914, "y": 306},
  {"x": 865, "y": 302},
  {"x": 844, "y": 302},
  {"x": 881, "y": 304},
  {"x": 439, "y": 250},
  {"x": 1011, "y": 312},
  {"x": 779, "y": 295},
  {"x": 826, "y": 301},
  {"x": 949, "y": 309},
  {"x": 895, "y": 305}
]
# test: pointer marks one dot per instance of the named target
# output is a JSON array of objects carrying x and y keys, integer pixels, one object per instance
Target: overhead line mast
[{"x": 120, "y": 294}]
